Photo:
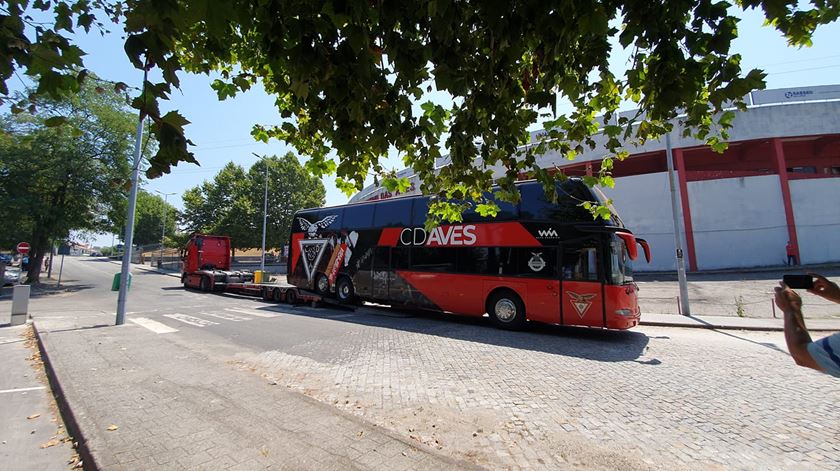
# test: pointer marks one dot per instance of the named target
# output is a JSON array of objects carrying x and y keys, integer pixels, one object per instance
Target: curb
[
  {"x": 70, "y": 421},
  {"x": 715, "y": 326},
  {"x": 709, "y": 326}
]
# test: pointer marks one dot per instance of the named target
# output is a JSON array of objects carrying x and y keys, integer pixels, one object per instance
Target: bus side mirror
[
  {"x": 645, "y": 247},
  {"x": 630, "y": 243}
]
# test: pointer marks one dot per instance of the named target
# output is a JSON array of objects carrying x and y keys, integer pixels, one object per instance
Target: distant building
[{"x": 778, "y": 181}]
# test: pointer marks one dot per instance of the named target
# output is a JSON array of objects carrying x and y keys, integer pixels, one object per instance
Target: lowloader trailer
[{"x": 206, "y": 267}]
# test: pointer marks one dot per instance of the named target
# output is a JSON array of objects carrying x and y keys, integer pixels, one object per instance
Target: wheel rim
[
  {"x": 323, "y": 284},
  {"x": 505, "y": 310},
  {"x": 344, "y": 290}
]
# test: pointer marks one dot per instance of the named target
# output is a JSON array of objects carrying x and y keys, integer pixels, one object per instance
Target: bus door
[{"x": 581, "y": 300}]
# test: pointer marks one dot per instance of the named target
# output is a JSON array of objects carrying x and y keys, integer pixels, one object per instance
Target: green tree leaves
[
  {"x": 63, "y": 168},
  {"x": 347, "y": 75},
  {"x": 232, "y": 203}
]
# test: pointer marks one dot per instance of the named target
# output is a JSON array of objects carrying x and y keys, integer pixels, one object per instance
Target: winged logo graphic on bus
[
  {"x": 581, "y": 302},
  {"x": 311, "y": 228}
]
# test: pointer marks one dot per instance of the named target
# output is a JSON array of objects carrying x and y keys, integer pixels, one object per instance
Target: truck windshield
[{"x": 621, "y": 267}]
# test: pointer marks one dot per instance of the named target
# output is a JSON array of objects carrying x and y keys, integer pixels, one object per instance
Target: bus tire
[
  {"x": 506, "y": 309},
  {"x": 344, "y": 289},
  {"x": 205, "y": 284},
  {"x": 277, "y": 295},
  {"x": 322, "y": 284},
  {"x": 291, "y": 297}
]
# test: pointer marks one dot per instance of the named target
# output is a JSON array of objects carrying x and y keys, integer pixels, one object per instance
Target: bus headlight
[{"x": 624, "y": 312}]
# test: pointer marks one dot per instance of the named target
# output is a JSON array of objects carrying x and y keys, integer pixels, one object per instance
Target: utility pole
[
  {"x": 684, "y": 306},
  {"x": 125, "y": 272},
  {"x": 163, "y": 229}
]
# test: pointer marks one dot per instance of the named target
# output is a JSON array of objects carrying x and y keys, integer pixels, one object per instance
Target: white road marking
[
  {"x": 251, "y": 312},
  {"x": 196, "y": 321},
  {"x": 226, "y": 316},
  {"x": 154, "y": 326},
  {"x": 36, "y": 388}
]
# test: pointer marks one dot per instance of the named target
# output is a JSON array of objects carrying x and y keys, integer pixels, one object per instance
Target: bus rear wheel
[
  {"x": 506, "y": 310},
  {"x": 344, "y": 289},
  {"x": 322, "y": 284}
]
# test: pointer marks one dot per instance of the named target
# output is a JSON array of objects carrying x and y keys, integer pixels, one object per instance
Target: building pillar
[
  {"x": 679, "y": 162},
  {"x": 778, "y": 153}
]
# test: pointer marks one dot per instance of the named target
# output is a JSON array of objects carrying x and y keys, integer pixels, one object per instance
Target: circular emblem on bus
[{"x": 536, "y": 263}]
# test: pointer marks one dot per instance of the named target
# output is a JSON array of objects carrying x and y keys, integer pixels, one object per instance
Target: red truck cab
[{"x": 206, "y": 261}]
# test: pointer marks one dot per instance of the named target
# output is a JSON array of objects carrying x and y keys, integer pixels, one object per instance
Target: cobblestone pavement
[{"x": 653, "y": 398}]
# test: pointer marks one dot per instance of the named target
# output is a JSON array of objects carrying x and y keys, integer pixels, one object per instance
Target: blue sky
[{"x": 221, "y": 130}]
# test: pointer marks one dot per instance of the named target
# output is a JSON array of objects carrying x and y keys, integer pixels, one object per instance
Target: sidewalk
[
  {"x": 135, "y": 400},
  {"x": 734, "y": 323},
  {"x": 32, "y": 436}
]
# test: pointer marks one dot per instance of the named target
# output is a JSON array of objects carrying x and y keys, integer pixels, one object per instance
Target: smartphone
[{"x": 799, "y": 281}]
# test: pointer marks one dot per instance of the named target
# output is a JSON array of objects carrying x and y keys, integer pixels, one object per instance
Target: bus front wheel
[
  {"x": 506, "y": 310},
  {"x": 344, "y": 289}
]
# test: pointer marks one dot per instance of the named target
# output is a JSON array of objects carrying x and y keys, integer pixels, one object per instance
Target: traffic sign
[{"x": 23, "y": 248}]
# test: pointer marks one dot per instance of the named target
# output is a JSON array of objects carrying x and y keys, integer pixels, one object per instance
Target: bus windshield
[{"x": 621, "y": 267}]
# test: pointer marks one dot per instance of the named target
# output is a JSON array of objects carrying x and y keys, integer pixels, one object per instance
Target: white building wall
[
  {"x": 738, "y": 222},
  {"x": 816, "y": 209},
  {"x": 644, "y": 204}
]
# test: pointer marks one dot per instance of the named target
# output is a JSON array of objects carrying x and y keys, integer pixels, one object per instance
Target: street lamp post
[
  {"x": 265, "y": 212},
  {"x": 163, "y": 228}
]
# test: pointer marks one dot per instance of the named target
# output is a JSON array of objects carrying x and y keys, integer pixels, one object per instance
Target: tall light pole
[
  {"x": 125, "y": 271},
  {"x": 685, "y": 309},
  {"x": 265, "y": 210},
  {"x": 163, "y": 229}
]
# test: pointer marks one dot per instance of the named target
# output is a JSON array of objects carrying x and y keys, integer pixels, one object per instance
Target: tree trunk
[{"x": 40, "y": 247}]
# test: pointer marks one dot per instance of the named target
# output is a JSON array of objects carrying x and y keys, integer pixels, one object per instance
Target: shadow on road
[
  {"x": 49, "y": 289},
  {"x": 592, "y": 344}
]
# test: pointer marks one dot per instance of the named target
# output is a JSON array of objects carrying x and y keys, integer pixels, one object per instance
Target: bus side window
[
  {"x": 438, "y": 259},
  {"x": 502, "y": 261},
  {"x": 400, "y": 258},
  {"x": 473, "y": 260},
  {"x": 580, "y": 261},
  {"x": 540, "y": 262},
  {"x": 381, "y": 259}
]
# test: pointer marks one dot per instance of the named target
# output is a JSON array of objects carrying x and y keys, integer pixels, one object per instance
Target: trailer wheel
[
  {"x": 291, "y": 297},
  {"x": 277, "y": 295},
  {"x": 205, "y": 283},
  {"x": 344, "y": 289},
  {"x": 506, "y": 310},
  {"x": 266, "y": 294},
  {"x": 322, "y": 284}
]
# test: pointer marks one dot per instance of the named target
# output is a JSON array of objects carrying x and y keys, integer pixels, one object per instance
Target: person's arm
[{"x": 796, "y": 334}]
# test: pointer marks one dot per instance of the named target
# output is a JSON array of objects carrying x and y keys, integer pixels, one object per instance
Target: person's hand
[
  {"x": 824, "y": 288},
  {"x": 787, "y": 299}
]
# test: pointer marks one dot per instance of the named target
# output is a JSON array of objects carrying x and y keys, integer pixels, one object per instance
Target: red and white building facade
[{"x": 778, "y": 181}]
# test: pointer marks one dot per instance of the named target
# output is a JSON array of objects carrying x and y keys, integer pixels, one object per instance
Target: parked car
[
  {"x": 11, "y": 277},
  {"x": 6, "y": 258}
]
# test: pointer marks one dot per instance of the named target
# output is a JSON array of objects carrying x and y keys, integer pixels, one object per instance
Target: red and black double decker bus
[{"x": 536, "y": 260}]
